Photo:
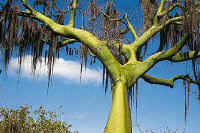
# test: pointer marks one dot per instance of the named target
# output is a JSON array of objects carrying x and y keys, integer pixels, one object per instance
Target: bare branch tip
[
  {"x": 126, "y": 15},
  {"x": 24, "y": 2}
]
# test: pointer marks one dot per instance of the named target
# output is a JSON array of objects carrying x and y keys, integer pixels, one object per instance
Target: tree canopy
[{"x": 23, "y": 120}]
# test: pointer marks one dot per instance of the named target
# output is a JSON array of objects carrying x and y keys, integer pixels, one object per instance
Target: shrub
[{"x": 22, "y": 120}]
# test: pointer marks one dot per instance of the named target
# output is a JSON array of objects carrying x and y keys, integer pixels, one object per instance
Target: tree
[
  {"x": 175, "y": 22},
  {"x": 21, "y": 121}
]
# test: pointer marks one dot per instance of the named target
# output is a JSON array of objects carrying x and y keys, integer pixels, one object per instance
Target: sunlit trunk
[{"x": 119, "y": 120}]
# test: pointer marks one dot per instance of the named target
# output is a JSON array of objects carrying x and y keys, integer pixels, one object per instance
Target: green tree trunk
[{"x": 119, "y": 120}]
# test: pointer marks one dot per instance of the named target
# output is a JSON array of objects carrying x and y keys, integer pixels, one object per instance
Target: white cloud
[{"x": 65, "y": 69}]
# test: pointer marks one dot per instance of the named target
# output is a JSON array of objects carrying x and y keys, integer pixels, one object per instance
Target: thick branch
[
  {"x": 180, "y": 57},
  {"x": 170, "y": 82},
  {"x": 90, "y": 40},
  {"x": 130, "y": 27},
  {"x": 156, "y": 27},
  {"x": 152, "y": 31},
  {"x": 146, "y": 36},
  {"x": 152, "y": 60}
]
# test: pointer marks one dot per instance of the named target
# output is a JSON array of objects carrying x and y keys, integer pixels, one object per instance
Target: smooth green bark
[
  {"x": 122, "y": 75},
  {"x": 170, "y": 82},
  {"x": 119, "y": 120}
]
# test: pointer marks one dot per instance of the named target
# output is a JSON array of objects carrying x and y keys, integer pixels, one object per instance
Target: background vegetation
[{"x": 24, "y": 120}]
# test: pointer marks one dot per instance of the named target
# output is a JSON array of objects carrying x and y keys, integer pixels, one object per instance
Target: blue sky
[{"x": 86, "y": 106}]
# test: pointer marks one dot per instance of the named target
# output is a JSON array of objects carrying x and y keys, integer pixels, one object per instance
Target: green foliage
[{"x": 22, "y": 120}]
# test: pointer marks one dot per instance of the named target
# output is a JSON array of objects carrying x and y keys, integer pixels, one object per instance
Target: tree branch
[
  {"x": 160, "y": 9},
  {"x": 55, "y": 27},
  {"x": 170, "y": 82},
  {"x": 176, "y": 48},
  {"x": 163, "y": 13},
  {"x": 152, "y": 31},
  {"x": 198, "y": 7},
  {"x": 124, "y": 31},
  {"x": 180, "y": 57},
  {"x": 130, "y": 27},
  {"x": 174, "y": 19},
  {"x": 146, "y": 36},
  {"x": 73, "y": 13},
  {"x": 90, "y": 40},
  {"x": 155, "y": 58},
  {"x": 66, "y": 42}
]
